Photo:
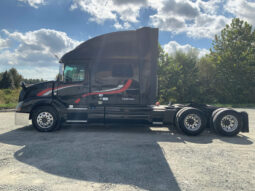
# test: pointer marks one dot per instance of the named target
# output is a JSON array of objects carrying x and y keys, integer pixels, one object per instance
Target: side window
[
  {"x": 103, "y": 72},
  {"x": 113, "y": 74},
  {"x": 123, "y": 70},
  {"x": 74, "y": 73},
  {"x": 113, "y": 71}
]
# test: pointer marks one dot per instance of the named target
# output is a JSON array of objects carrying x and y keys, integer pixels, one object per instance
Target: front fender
[{"x": 29, "y": 105}]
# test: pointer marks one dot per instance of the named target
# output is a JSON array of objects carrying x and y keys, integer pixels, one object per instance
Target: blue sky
[{"x": 32, "y": 31}]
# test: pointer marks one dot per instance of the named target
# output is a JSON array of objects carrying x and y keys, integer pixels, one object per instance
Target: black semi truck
[{"x": 113, "y": 78}]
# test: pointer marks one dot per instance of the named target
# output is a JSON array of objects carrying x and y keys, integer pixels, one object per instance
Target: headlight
[{"x": 18, "y": 107}]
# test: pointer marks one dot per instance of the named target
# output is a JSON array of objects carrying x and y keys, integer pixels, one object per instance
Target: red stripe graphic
[
  {"x": 124, "y": 88},
  {"x": 44, "y": 91},
  {"x": 78, "y": 100}
]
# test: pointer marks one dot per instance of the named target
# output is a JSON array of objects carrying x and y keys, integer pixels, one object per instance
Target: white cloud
[
  {"x": 119, "y": 26},
  {"x": 174, "y": 8},
  {"x": 172, "y": 46},
  {"x": 4, "y": 43},
  {"x": 207, "y": 26},
  {"x": 196, "y": 18},
  {"x": 127, "y": 11},
  {"x": 199, "y": 19},
  {"x": 40, "y": 72},
  {"x": 210, "y": 7},
  {"x": 33, "y": 3},
  {"x": 99, "y": 11},
  {"x": 175, "y": 25},
  {"x": 203, "y": 52},
  {"x": 243, "y": 9},
  {"x": 36, "y": 49}
]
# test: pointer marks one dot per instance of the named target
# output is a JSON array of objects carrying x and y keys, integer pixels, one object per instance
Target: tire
[
  {"x": 191, "y": 121},
  {"x": 177, "y": 125},
  {"x": 227, "y": 122},
  {"x": 212, "y": 116},
  {"x": 45, "y": 119},
  {"x": 178, "y": 115}
]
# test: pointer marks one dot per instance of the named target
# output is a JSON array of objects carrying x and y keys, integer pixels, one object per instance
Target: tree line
[
  {"x": 225, "y": 75},
  {"x": 10, "y": 79}
]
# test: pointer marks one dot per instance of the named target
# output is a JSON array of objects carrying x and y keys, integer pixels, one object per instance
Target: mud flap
[{"x": 245, "y": 122}]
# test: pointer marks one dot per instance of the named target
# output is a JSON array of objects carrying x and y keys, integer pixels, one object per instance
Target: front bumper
[
  {"x": 19, "y": 106},
  {"x": 21, "y": 118}
]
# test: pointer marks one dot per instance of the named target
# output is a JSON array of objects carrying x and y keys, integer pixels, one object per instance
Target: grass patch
[
  {"x": 9, "y": 98},
  {"x": 8, "y": 106}
]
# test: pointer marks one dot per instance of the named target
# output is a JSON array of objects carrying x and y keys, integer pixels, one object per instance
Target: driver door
[{"x": 74, "y": 85}]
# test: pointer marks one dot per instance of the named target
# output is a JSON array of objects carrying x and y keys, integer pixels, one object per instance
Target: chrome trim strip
[
  {"x": 107, "y": 90},
  {"x": 85, "y": 108},
  {"x": 157, "y": 123},
  {"x": 76, "y": 121}
]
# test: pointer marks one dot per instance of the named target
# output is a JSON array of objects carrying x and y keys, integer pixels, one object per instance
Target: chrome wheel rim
[
  {"x": 229, "y": 123},
  {"x": 192, "y": 122},
  {"x": 45, "y": 120}
]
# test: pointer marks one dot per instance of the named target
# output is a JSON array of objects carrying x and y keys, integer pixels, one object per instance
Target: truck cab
[{"x": 109, "y": 78}]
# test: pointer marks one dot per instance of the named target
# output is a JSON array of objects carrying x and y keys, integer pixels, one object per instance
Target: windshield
[{"x": 71, "y": 73}]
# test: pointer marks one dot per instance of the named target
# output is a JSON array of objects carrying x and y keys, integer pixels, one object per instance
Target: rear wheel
[
  {"x": 212, "y": 116},
  {"x": 227, "y": 122},
  {"x": 45, "y": 119},
  {"x": 191, "y": 121}
]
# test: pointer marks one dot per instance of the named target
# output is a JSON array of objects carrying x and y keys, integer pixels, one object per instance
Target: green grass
[
  {"x": 8, "y": 106},
  {"x": 9, "y": 98}
]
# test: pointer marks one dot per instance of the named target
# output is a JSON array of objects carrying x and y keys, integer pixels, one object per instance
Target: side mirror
[{"x": 59, "y": 77}]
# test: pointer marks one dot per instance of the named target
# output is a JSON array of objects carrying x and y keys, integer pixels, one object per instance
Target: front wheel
[{"x": 45, "y": 119}]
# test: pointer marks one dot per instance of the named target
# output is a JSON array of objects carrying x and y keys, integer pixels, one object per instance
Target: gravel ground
[{"x": 124, "y": 158}]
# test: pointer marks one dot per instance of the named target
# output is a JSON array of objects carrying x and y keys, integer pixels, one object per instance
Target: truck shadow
[
  {"x": 99, "y": 155},
  {"x": 128, "y": 155}
]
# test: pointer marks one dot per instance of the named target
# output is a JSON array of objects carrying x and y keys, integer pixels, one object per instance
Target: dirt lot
[{"x": 124, "y": 158}]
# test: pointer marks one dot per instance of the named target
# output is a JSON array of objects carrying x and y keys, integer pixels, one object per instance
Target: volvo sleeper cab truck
[{"x": 113, "y": 78}]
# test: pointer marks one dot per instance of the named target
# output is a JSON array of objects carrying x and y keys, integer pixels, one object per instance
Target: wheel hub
[
  {"x": 45, "y": 119},
  {"x": 226, "y": 122},
  {"x": 229, "y": 123},
  {"x": 192, "y": 122}
]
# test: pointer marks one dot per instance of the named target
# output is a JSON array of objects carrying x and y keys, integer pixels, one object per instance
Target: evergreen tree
[
  {"x": 233, "y": 53},
  {"x": 16, "y": 77},
  {"x": 7, "y": 81}
]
